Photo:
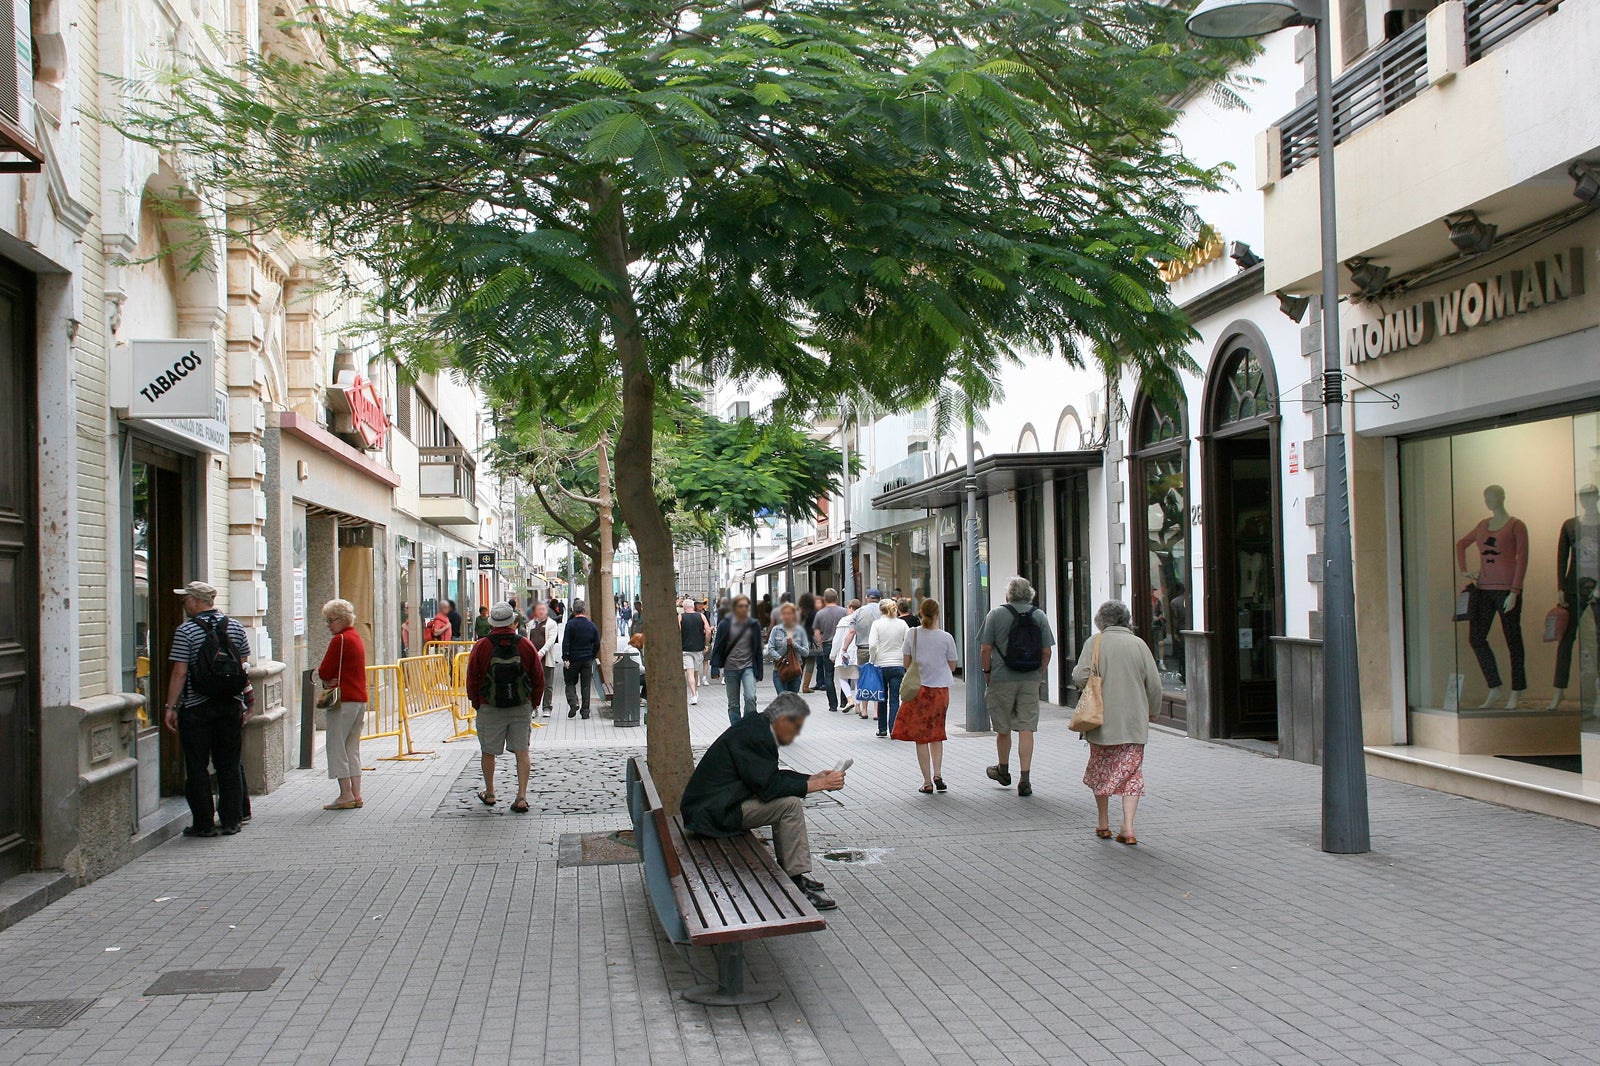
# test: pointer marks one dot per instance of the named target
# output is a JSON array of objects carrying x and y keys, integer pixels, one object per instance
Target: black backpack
[
  {"x": 508, "y": 681},
  {"x": 218, "y": 673},
  {"x": 1024, "y": 650}
]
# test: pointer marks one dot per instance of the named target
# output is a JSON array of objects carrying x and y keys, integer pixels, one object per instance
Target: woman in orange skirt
[{"x": 921, "y": 719}]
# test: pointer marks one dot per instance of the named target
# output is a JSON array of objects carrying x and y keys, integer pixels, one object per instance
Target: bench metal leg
[{"x": 730, "y": 989}]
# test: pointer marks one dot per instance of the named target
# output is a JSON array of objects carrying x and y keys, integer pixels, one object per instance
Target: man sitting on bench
[{"x": 739, "y": 785}]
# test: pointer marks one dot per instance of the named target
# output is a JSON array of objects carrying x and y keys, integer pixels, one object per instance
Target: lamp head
[
  {"x": 1470, "y": 234},
  {"x": 1244, "y": 18}
]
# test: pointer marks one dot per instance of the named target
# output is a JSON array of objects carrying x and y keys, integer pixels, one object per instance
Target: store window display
[
  {"x": 1578, "y": 576},
  {"x": 1494, "y": 590}
]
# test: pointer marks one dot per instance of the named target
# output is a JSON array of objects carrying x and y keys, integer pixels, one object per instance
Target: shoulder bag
[
  {"x": 330, "y": 696},
  {"x": 911, "y": 684},
  {"x": 789, "y": 665},
  {"x": 1091, "y": 711}
]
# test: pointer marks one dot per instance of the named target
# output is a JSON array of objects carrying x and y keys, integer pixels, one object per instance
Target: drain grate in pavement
[
  {"x": 194, "y": 982},
  {"x": 41, "y": 1013},
  {"x": 597, "y": 849}
]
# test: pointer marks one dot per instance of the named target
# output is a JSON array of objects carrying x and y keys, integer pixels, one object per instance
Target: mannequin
[
  {"x": 1502, "y": 543},
  {"x": 1577, "y": 575}
]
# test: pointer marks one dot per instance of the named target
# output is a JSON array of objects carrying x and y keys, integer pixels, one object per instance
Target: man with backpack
[
  {"x": 505, "y": 682},
  {"x": 1015, "y": 644},
  {"x": 210, "y": 659}
]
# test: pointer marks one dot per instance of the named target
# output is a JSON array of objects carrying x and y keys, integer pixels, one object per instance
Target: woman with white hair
[
  {"x": 1130, "y": 689},
  {"x": 344, "y": 668}
]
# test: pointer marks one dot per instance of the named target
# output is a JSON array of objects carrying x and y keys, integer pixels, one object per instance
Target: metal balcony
[{"x": 449, "y": 488}]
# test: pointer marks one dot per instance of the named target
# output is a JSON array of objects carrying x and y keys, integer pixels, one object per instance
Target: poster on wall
[{"x": 299, "y": 601}]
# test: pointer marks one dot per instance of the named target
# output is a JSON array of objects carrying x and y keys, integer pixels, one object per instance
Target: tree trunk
[
  {"x": 606, "y": 609},
  {"x": 671, "y": 758}
]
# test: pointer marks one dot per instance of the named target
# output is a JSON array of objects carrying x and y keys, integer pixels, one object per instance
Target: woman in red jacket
[{"x": 344, "y": 667}]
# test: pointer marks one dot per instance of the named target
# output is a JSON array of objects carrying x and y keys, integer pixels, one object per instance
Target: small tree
[{"x": 858, "y": 199}]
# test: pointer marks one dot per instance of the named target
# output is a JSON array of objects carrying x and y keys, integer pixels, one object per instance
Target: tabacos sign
[
  {"x": 1550, "y": 279},
  {"x": 358, "y": 410},
  {"x": 172, "y": 379}
]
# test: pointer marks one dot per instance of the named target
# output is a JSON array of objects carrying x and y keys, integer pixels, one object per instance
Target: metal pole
[
  {"x": 1345, "y": 827},
  {"x": 977, "y": 703},
  {"x": 572, "y": 575},
  {"x": 848, "y": 578},
  {"x": 788, "y": 532}
]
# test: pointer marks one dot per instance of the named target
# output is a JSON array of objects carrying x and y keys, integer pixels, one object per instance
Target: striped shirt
[{"x": 188, "y": 642}]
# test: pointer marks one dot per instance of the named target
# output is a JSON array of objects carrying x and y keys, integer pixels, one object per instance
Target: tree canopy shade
[{"x": 862, "y": 198}]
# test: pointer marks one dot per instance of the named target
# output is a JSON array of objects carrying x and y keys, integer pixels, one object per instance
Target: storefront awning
[
  {"x": 996, "y": 474},
  {"x": 803, "y": 554}
]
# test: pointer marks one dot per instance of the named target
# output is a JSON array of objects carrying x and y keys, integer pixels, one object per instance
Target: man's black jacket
[{"x": 741, "y": 764}]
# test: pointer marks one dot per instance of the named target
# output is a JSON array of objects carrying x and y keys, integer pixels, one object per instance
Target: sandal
[
  {"x": 486, "y": 798},
  {"x": 1124, "y": 839},
  {"x": 346, "y": 805},
  {"x": 926, "y": 790},
  {"x": 1103, "y": 834},
  {"x": 520, "y": 806},
  {"x": 939, "y": 785}
]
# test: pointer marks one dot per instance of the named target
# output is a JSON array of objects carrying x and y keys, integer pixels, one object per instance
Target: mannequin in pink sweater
[{"x": 1502, "y": 543}]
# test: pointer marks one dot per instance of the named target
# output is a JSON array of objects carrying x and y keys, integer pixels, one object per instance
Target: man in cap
[
  {"x": 210, "y": 656},
  {"x": 505, "y": 682}
]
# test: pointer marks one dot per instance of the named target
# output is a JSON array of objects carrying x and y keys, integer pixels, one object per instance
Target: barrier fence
[
  {"x": 447, "y": 647},
  {"x": 386, "y": 715}
]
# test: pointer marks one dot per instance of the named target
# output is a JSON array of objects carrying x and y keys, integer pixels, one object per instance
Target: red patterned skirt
[
  {"x": 922, "y": 720},
  {"x": 1115, "y": 769}
]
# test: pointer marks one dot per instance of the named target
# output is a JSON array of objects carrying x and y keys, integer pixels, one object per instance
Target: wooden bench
[{"x": 714, "y": 891}]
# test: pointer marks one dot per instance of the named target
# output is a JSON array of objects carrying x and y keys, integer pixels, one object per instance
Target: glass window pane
[{"x": 1167, "y": 544}]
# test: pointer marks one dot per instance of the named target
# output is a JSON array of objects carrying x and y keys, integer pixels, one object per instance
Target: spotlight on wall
[
  {"x": 1367, "y": 275},
  {"x": 1293, "y": 306},
  {"x": 1586, "y": 182},
  {"x": 1470, "y": 234},
  {"x": 1242, "y": 254}
]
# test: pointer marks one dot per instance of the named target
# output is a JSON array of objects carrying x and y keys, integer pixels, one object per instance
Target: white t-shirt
[
  {"x": 934, "y": 650},
  {"x": 888, "y": 642}
]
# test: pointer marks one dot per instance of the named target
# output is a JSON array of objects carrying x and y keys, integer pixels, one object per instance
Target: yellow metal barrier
[
  {"x": 447, "y": 647},
  {"x": 461, "y": 710},
  {"x": 386, "y": 713},
  {"x": 424, "y": 685}
]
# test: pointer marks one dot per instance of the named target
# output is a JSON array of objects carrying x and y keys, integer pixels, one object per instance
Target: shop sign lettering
[
  {"x": 1556, "y": 277},
  {"x": 359, "y": 408},
  {"x": 172, "y": 379}
]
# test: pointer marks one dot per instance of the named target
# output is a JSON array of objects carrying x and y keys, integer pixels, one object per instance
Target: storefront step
[
  {"x": 1522, "y": 786},
  {"x": 30, "y": 893}
]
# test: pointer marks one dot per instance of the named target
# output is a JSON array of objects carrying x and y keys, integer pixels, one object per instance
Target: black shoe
[
  {"x": 231, "y": 830},
  {"x": 586, "y": 714},
  {"x": 807, "y": 884},
  {"x": 572, "y": 714},
  {"x": 200, "y": 831},
  {"x": 1000, "y": 774},
  {"x": 882, "y": 734},
  {"x": 821, "y": 902},
  {"x": 1025, "y": 787},
  {"x": 939, "y": 785}
]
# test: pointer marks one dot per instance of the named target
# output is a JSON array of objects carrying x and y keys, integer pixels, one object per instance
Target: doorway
[
  {"x": 19, "y": 569},
  {"x": 953, "y": 602},
  {"x": 1072, "y": 571},
  {"x": 1244, "y": 588},
  {"x": 160, "y": 551}
]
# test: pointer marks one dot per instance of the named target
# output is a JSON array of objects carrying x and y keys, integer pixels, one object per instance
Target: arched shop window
[
  {"x": 1161, "y": 607},
  {"x": 1244, "y": 391}
]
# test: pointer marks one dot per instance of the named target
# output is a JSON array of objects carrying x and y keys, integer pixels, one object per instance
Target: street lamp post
[
  {"x": 1344, "y": 773},
  {"x": 848, "y": 578},
  {"x": 977, "y": 698}
]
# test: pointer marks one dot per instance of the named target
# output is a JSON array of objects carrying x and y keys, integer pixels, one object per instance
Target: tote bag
[
  {"x": 911, "y": 684},
  {"x": 1091, "y": 710},
  {"x": 869, "y": 687}
]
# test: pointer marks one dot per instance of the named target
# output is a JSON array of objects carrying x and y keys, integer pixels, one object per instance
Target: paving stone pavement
[{"x": 994, "y": 929}]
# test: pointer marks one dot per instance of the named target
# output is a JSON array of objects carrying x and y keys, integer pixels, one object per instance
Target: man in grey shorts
[
  {"x": 1012, "y": 676},
  {"x": 505, "y": 682},
  {"x": 861, "y": 624}
]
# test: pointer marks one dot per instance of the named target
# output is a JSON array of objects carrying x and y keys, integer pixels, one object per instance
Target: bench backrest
[{"x": 652, "y": 833}]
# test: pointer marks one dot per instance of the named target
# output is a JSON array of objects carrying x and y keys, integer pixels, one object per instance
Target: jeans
[
  {"x": 825, "y": 676},
  {"x": 741, "y": 682},
  {"x": 212, "y": 734},
  {"x": 1483, "y": 605},
  {"x": 578, "y": 675},
  {"x": 780, "y": 685},
  {"x": 1569, "y": 639},
  {"x": 889, "y": 709}
]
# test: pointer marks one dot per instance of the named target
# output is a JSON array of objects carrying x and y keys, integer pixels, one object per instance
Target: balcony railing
[
  {"x": 1393, "y": 75},
  {"x": 448, "y": 472}
]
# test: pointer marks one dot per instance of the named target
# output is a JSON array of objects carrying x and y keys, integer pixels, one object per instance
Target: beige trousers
[{"x": 790, "y": 841}]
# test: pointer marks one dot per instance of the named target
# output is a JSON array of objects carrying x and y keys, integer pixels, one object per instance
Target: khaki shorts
[
  {"x": 692, "y": 660},
  {"x": 504, "y": 728},
  {"x": 1013, "y": 706}
]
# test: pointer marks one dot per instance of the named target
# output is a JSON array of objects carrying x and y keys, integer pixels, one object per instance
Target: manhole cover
[
  {"x": 191, "y": 982},
  {"x": 858, "y": 856},
  {"x": 41, "y": 1013},
  {"x": 597, "y": 849}
]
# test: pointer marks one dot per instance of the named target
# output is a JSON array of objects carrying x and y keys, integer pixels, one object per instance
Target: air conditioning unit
[{"x": 16, "y": 90}]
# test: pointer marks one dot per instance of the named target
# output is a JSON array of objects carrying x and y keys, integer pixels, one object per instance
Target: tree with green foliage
[{"x": 868, "y": 199}]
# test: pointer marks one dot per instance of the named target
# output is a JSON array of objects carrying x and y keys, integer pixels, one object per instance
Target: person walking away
[
  {"x": 823, "y": 628},
  {"x": 210, "y": 659},
  {"x": 845, "y": 669},
  {"x": 1130, "y": 692},
  {"x": 694, "y": 632},
  {"x": 808, "y": 621},
  {"x": 505, "y": 682},
  {"x": 545, "y": 635},
  {"x": 739, "y": 785},
  {"x": 886, "y": 648},
  {"x": 458, "y": 631},
  {"x": 344, "y": 667},
  {"x": 788, "y": 635},
  {"x": 736, "y": 655},
  {"x": 922, "y": 717},
  {"x": 481, "y": 624},
  {"x": 866, "y": 616},
  {"x": 580, "y": 647},
  {"x": 1015, "y": 643},
  {"x": 438, "y": 628}
]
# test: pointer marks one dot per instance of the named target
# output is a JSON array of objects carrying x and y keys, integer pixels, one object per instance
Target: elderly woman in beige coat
[{"x": 1131, "y": 691}]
